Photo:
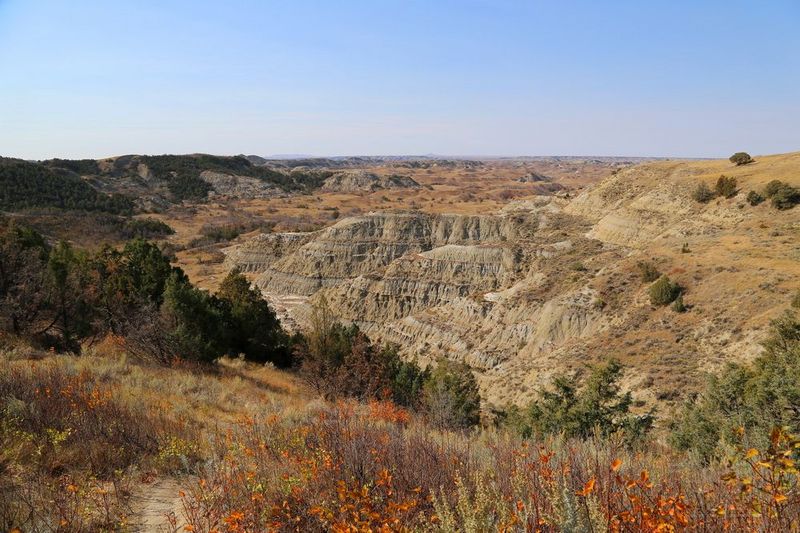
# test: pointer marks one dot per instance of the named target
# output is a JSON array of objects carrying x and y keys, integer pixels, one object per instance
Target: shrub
[
  {"x": 578, "y": 266},
  {"x": 579, "y": 412},
  {"x": 678, "y": 305},
  {"x": 195, "y": 320},
  {"x": 648, "y": 271},
  {"x": 750, "y": 399},
  {"x": 726, "y": 186},
  {"x": 406, "y": 380},
  {"x": 254, "y": 328},
  {"x": 740, "y": 158},
  {"x": 786, "y": 197},
  {"x": 773, "y": 186},
  {"x": 450, "y": 396},
  {"x": 663, "y": 291},
  {"x": 340, "y": 361},
  {"x": 146, "y": 228},
  {"x": 753, "y": 198},
  {"x": 222, "y": 233},
  {"x": 703, "y": 193}
]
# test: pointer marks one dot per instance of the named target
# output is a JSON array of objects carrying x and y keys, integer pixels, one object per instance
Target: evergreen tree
[
  {"x": 255, "y": 330},
  {"x": 451, "y": 396}
]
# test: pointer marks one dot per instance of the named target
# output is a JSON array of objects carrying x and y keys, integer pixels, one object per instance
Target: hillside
[
  {"x": 26, "y": 185},
  {"x": 548, "y": 284}
]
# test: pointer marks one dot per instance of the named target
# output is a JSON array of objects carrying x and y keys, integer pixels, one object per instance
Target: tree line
[
  {"x": 57, "y": 296},
  {"x": 25, "y": 185}
]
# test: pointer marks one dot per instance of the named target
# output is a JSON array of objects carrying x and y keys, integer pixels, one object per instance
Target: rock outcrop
[
  {"x": 240, "y": 187},
  {"x": 363, "y": 181},
  {"x": 548, "y": 285}
]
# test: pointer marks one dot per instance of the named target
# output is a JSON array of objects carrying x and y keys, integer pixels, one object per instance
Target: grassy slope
[{"x": 742, "y": 268}]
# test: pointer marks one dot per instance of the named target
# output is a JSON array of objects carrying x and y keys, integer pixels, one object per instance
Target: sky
[{"x": 674, "y": 78}]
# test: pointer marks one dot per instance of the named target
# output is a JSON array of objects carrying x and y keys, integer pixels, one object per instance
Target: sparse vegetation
[
  {"x": 648, "y": 271},
  {"x": 753, "y": 198},
  {"x": 663, "y": 291},
  {"x": 703, "y": 193},
  {"x": 726, "y": 187},
  {"x": 578, "y": 266},
  {"x": 354, "y": 437}
]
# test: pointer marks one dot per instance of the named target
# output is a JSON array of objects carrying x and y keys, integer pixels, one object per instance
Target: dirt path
[{"x": 153, "y": 505}]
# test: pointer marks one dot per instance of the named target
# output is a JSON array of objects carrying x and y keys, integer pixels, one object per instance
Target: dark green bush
[
  {"x": 740, "y": 158},
  {"x": 703, "y": 193},
  {"x": 450, "y": 396},
  {"x": 753, "y": 398},
  {"x": 146, "y": 228},
  {"x": 254, "y": 328},
  {"x": 581, "y": 411},
  {"x": 188, "y": 187},
  {"x": 726, "y": 186},
  {"x": 678, "y": 305},
  {"x": 406, "y": 382},
  {"x": 663, "y": 291},
  {"x": 753, "y": 198},
  {"x": 786, "y": 197},
  {"x": 773, "y": 187}
]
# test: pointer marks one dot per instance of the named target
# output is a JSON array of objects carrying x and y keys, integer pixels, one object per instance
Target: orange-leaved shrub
[{"x": 342, "y": 468}]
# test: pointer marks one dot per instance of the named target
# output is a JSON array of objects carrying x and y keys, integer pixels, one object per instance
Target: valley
[
  {"x": 209, "y": 343},
  {"x": 548, "y": 283}
]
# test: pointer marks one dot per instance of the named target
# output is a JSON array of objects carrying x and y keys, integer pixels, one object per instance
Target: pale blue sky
[{"x": 93, "y": 78}]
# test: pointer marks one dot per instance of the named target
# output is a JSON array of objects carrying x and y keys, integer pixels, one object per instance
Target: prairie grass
[{"x": 77, "y": 433}]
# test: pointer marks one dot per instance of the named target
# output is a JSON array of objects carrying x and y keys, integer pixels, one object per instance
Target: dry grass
[
  {"x": 268, "y": 457},
  {"x": 78, "y": 433}
]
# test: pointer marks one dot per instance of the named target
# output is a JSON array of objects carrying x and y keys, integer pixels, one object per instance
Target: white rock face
[
  {"x": 243, "y": 187},
  {"x": 420, "y": 280},
  {"x": 364, "y": 181}
]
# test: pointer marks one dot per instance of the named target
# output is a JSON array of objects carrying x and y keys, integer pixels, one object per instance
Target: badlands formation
[{"x": 549, "y": 284}]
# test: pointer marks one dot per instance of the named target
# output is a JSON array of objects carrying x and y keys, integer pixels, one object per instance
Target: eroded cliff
[{"x": 550, "y": 284}]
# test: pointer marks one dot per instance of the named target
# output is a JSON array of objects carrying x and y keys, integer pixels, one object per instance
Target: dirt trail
[{"x": 154, "y": 503}]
